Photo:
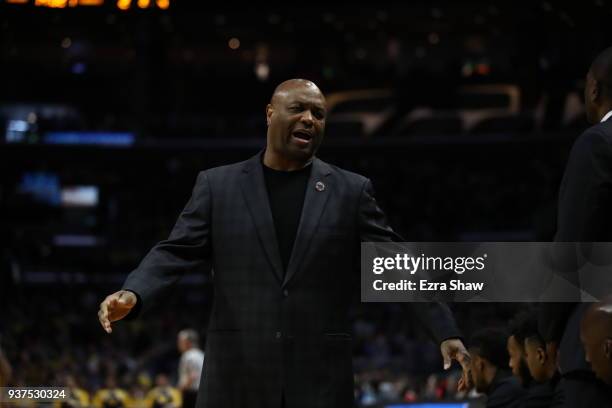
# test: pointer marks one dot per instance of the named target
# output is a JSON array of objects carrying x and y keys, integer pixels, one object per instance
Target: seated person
[
  {"x": 596, "y": 335},
  {"x": 112, "y": 396},
  {"x": 523, "y": 322},
  {"x": 490, "y": 372},
  {"x": 76, "y": 397},
  {"x": 164, "y": 395},
  {"x": 542, "y": 364}
]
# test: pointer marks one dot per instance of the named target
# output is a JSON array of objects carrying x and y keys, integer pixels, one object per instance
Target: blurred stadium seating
[{"x": 461, "y": 113}]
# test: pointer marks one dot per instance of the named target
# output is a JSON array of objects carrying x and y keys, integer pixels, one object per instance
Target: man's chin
[{"x": 301, "y": 154}]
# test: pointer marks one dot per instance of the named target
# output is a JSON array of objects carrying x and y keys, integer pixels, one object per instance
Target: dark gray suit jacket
[
  {"x": 585, "y": 215},
  {"x": 270, "y": 336}
]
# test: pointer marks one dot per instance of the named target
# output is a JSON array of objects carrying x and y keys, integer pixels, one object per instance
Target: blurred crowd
[{"x": 49, "y": 341}]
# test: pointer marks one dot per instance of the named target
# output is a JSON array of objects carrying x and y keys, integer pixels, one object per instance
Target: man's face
[
  {"x": 517, "y": 360},
  {"x": 182, "y": 344},
  {"x": 535, "y": 354},
  {"x": 516, "y": 356},
  {"x": 296, "y": 122},
  {"x": 591, "y": 97},
  {"x": 598, "y": 354}
]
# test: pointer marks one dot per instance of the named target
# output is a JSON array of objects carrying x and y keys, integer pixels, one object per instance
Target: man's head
[
  {"x": 296, "y": 124},
  {"x": 523, "y": 323},
  {"x": 489, "y": 354},
  {"x": 186, "y": 340},
  {"x": 596, "y": 336},
  {"x": 542, "y": 364},
  {"x": 598, "y": 87}
]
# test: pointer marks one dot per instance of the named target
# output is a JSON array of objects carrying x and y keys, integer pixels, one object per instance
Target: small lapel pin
[{"x": 319, "y": 186}]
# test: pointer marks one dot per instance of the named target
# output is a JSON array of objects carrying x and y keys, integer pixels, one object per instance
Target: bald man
[
  {"x": 282, "y": 231},
  {"x": 596, "y": 336},
  {"x": 584, "y": 215}
]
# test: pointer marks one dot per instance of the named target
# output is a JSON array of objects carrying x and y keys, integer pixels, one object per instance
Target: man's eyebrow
[{"x": 306, "y": 102}]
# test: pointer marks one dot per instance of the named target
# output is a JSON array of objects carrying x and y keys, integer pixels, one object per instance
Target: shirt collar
[{"x": 606, "y": 116}]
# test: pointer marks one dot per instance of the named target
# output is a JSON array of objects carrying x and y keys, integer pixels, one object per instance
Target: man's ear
[
  {"x": 595, "y": 90},
  {"x": 269, "y": 112},
  {"x": 541, "y": 355}
]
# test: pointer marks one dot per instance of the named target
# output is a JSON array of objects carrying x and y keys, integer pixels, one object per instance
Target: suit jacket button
[
  {"x": 285, "y": 293},
  {"x": 279, "y": 335}
]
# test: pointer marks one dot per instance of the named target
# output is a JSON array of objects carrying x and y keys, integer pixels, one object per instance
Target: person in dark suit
[
  {"x": 490, "y": 369},
  {"x": 282, "y": 232},
  {"x": 596, "y": 336},
  {"x": 584, "y": 215}
]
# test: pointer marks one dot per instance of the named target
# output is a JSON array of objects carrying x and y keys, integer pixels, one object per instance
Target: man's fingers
[
  {"x": 104, "y": 321},
  {"x": 464, "y": 359},
  {"x": 103, "y": 316},
  {"x": 447, "y": 360},
  {"x": 461, "y": 385},
  {"x": 466, "y": 381}
]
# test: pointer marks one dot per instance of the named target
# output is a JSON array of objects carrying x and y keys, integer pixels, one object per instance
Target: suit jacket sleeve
[
  {"x": 585, "y": 199},
  {"x": 187, "y": 248},
  {"x": 585, "y": 196},
  {"x": 435, "y": 317}
]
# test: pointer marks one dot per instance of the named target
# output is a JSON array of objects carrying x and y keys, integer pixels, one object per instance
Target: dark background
[{"x": 184, "y": 100}]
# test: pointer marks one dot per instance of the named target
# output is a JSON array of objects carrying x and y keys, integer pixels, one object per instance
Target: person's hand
[
  {"x": 116, "y": 307},
  {"x": 453, "y": 349}
]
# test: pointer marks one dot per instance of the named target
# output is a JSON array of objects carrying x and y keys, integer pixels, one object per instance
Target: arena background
[{"x": 463, "y": 119}]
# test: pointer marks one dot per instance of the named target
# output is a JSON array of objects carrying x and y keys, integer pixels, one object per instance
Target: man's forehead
[
  {"x": 306, "y": 97},
  {"x": 300, "y": 91}
]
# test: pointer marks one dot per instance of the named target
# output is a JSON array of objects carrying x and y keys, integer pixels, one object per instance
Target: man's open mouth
[{"x": 302, "y": 136}]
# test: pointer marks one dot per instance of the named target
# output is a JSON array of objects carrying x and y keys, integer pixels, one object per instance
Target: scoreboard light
[{"x": 121, "y": 4}]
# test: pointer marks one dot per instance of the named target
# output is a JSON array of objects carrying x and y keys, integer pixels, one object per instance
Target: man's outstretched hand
[
  {"x": 116, "y": 307},
  {"x": 453, "y": 349}
]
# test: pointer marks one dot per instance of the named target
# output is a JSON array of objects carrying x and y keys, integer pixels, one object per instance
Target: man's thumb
[
  {"x": 124, "y": 300},
  {"x": 447, "y": 361}
]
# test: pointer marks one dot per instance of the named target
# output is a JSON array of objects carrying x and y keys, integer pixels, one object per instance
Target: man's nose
[{"x": 307, "y": 117}]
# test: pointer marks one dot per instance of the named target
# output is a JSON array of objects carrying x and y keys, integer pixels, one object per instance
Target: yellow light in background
[
  {"x": 91, "y": 2},
  {"x": 144, "y": 3},
  {"x": 73, "y": 3},
  {"x": 163, "y": 4},
  {"x": 17, "y": 1},
  {"x": 51, "y": 3},
  {"x": 124, "y": 4},
  {"x": 234, "y": 43}
]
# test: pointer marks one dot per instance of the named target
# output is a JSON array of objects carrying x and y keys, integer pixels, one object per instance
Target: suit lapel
[
  {"x": 317, "y": 195},
  {"x": 256, "y": 197}
]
